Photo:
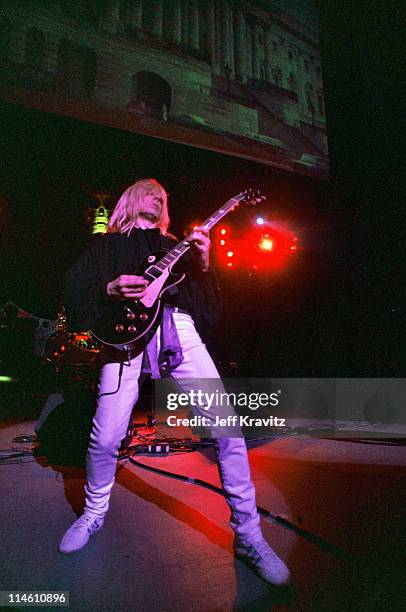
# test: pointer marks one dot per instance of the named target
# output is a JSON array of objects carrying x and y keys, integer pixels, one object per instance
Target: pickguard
[{"x": 154, "y": 290}]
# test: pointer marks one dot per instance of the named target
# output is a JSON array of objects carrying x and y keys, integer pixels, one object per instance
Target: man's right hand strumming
[{"x": 127, "y": 286}]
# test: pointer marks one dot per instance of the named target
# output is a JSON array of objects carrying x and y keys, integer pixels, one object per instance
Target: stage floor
[{"x": 166, "y": 545}]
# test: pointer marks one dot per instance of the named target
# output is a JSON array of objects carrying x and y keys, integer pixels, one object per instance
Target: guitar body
[{"x": 128, "y": 321}]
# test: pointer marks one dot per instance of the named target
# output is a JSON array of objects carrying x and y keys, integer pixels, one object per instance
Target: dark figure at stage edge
[{"x": 138, "y": 226}]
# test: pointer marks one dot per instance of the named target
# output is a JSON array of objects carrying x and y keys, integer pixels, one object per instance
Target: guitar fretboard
[{"x": 180, "y": 249}]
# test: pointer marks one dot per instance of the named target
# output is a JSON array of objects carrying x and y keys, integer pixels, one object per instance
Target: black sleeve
[
  {"x": 85, "y": 286},
  {"x": 207, "y": 299},
  {"x": 200, "y": 293}
]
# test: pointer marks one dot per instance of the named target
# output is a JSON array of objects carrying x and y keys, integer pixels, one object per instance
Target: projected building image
[{"x": 241, "y": 77}]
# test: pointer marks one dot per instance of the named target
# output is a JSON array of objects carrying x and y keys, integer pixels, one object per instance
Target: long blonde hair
[{"x": 125, "y": 215}]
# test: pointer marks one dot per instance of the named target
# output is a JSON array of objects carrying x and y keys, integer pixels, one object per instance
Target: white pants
[{"x": 118, "y": 392}]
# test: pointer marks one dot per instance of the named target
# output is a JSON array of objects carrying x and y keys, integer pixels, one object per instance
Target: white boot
[
  {"x": 263, "y": 559},
  {"x": 79, "y": 534}
]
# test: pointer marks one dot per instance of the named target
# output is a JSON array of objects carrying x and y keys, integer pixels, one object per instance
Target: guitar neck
[{"x": 182, "y": 247}]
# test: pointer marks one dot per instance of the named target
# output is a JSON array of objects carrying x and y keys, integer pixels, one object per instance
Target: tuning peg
[{"x": 252, "y": 196}]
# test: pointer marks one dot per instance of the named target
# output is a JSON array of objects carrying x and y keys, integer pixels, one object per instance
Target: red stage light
[
  {"x": 81, "y": 337},
  {"x": 262, "y": 248},
  {"x": 266, "y": 244}
]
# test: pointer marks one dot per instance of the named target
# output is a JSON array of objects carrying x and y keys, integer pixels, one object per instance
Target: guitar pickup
[{"x": 153, "y": 271}]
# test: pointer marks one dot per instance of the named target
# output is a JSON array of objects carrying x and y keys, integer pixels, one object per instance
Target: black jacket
[{"x": 110, "y": 255}]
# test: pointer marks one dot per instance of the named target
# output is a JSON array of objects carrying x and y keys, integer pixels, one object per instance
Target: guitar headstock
[{"x": 251, "y": 196}]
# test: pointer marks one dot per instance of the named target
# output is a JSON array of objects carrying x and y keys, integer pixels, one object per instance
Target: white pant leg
[
  {"x": 118, "y": 392},
  {"x": 231, "y": 452}
]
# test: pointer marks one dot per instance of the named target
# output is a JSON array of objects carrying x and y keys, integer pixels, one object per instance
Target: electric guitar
[{"x": 128, "y": 321}]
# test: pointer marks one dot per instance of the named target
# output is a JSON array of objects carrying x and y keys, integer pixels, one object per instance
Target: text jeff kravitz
[{"x": 229, "y": 421}]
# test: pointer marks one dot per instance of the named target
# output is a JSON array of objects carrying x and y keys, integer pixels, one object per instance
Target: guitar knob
[
  {"x": 132, "y": 329},
  {"x": 144, "y": 316},
  {"x": 119, "y": 328},
  {"x": 130, "y": 315}
]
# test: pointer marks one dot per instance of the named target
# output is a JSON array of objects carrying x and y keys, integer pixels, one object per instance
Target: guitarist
[{"x": 105, "y": 273}]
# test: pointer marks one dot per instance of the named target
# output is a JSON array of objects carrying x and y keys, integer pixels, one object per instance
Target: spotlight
[
  {"x": 6, "y": 378},
  {"x": 101, "y": 214},
  {"x": 223, "y": 231},
  {"x": 230, "y": 253},
  {"x": 260, "y": 220},
  {"x": 266, "y": 244}
]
